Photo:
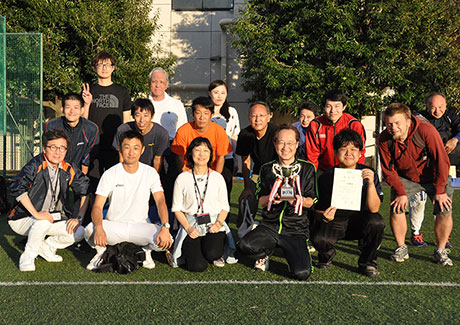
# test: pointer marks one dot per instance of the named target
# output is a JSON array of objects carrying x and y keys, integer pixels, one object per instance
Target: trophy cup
[{"x": 287, "y": 191}]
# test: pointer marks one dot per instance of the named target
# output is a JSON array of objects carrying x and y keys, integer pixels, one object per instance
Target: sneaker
[
  {"x": 219, "y": 262},
  {"x": 311, "y": 249},
  {"x": 148, "y": 263},
  {"x": 369, "y": 271},
  {"x": 48, "y": 254},
  {"x": 95, "y": 261},
  {"x": 441, "y": 257},
  {"x": 262, "y": 264},
  {"x": 324, "y": 265},
  {"x": 417, "y": 240},
  {"x": 26, "y": 262},
  {"x": 448, "y": 243},
  {"x": 401, "y": 254}
]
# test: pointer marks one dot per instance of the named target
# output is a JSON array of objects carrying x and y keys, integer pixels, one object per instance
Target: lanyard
[
  {"x": 54, "y": 190},
  {"x": 199, "y": 198}
]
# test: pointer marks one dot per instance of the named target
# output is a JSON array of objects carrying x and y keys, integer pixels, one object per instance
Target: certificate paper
[{"x": 346, "y": 189}]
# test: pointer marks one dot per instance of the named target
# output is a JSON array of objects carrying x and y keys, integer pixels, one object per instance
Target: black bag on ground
[
  {"x": 122, "y": 258},
  {"x": 4, "y": 204}
]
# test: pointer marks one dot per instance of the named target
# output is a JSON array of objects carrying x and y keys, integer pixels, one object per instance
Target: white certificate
[{"x": 347, "y": 188}]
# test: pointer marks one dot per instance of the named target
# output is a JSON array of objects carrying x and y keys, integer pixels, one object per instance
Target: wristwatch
[
  {"x": 80, "y": 219},
  {"x": 166, "y": 225}
]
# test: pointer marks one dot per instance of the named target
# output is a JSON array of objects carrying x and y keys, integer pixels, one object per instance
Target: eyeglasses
[
  {"x": 54, "y": 148},
  {"x": 104, "y": 65}
]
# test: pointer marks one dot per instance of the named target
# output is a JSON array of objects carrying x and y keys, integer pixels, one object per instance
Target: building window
[{"x": 202, "y": 4}]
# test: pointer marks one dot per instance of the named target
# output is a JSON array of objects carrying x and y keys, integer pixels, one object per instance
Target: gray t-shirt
[{"x": 155, "y": 142}]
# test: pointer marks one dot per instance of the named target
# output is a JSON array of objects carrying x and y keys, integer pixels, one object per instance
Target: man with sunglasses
[{"x": 42, "y": 191}]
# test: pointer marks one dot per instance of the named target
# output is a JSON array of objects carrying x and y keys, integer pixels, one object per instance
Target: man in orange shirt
[{"x": 201, "y": 126}]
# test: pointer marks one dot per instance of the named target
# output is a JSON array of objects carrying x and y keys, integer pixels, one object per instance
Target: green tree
[
  {"x": 75, "y": 30},
  {"x": 295, "y": 50}
]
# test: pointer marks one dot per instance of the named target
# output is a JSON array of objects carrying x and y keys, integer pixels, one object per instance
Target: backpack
[{"x": 122, "y": 258}]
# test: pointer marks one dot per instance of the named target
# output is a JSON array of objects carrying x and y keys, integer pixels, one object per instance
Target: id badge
[
  {"x": 56, "y": 215},
  {"x": 203, "y": 218}
]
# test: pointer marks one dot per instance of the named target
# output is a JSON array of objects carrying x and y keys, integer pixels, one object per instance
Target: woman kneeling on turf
[{"x": 201, "y": 206}]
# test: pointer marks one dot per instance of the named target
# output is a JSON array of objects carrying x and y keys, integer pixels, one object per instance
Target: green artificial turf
[{"x": 236, "y": 303}]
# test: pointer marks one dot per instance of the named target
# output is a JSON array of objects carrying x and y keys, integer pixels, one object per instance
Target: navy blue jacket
[
  {"x": 84, "y": 139},
  {"x": 34, "y": 179}
]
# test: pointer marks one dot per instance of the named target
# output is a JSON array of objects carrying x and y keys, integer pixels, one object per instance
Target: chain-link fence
[{"x": 22, "y": 57}]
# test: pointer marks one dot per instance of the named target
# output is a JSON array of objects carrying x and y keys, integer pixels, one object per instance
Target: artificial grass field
[{"x": 145, "y": 297}]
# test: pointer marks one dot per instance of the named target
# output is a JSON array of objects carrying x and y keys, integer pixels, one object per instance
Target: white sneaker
[
  {"x": 148, "y": 263},
  {"x": 262, "y": 264},
  {"x": 48, "y": 253},
  {"x": 95, "y": 261},
  {"x": 26, "y": 262},
  {"x": 219, "y": 262}
]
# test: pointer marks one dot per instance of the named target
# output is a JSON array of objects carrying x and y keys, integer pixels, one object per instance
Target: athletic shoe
[
  {"x": 262, "y": 264},
  {"x": 311, "y": 248},
  {"x": 417, "y": 240},
  {"x": 369, "y": 271},
  {"x": 48, "y": 253},
  {"x": 401, "y": 254},
  {"x": 219, "y": 262},
  {"x": 148, "y": 263},
  {"x": 231, "y": 260},
  {"x": 26, "y": 262},
  {"x": 324, "y": 265},
  {"x": 448, "y": 243},
  {"x": 441, "y": 257},
  {"x": 95, "y": 261}
]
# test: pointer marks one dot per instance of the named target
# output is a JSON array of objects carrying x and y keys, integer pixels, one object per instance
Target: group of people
[{"x": 142, "y": 167}]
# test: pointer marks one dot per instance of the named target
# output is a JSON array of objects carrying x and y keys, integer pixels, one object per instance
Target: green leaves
[
  {"x": 74, "y": 31},
  {"x": 296, "y": 50}
]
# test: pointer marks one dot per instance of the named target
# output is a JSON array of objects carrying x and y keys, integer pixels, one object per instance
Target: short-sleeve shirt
[
  {"x": 129, "y": 194},
  {"x": 262, "y": 150},
  {"x": 215, "y": 134},
  {"x": 325, "y": 182},
  {"x": 106, "y": 110},
  {"x": 169, "y": 113},
  {"x": 156, "y": 141}
]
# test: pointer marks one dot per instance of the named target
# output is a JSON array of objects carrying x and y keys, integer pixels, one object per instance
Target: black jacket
[
  {"x": 84, "y": 139},
  {"x": 34, "y": 179},
  {"x": 448, "y": 125},
  {"x": 282, "y": 217}
]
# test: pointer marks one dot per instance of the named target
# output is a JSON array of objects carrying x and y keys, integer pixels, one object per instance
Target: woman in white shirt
[
  {"x": 201, "y": 207},
  {"x": 227, "y": 117}
]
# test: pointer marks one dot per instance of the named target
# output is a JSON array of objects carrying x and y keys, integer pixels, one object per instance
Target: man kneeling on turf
[
  {"x": 42, "y": 192},
  {"x": 366, "y": 225},
  {"x": 128, "y": 185},
  {"x": 285, "y": 220}
]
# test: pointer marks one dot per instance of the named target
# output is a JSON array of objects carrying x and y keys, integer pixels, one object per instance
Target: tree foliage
[
  {"x": 75, "y": 30},
  {"x": 295, "y": 50}
]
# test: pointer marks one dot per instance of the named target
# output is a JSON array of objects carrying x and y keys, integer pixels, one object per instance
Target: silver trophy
[{"x": 287, "y": 174}]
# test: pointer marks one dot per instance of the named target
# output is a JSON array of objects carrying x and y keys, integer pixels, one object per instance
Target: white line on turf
[{"x": 173, "y": 283}]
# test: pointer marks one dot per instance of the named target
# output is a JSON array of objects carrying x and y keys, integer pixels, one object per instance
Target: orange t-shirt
[{"x": 215, "y": 134}]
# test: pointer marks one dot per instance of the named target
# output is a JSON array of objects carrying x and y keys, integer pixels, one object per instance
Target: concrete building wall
[{"x": 195, "y": 38}]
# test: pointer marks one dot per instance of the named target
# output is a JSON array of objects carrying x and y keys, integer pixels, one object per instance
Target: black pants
[
  {"x": 199, "y": 251},
  {"x": 227, "y": 173},
  {"x": 168, "y": 175},
  {"x": 262, "y": 241},
  {"x": 361, "y": 225}
]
